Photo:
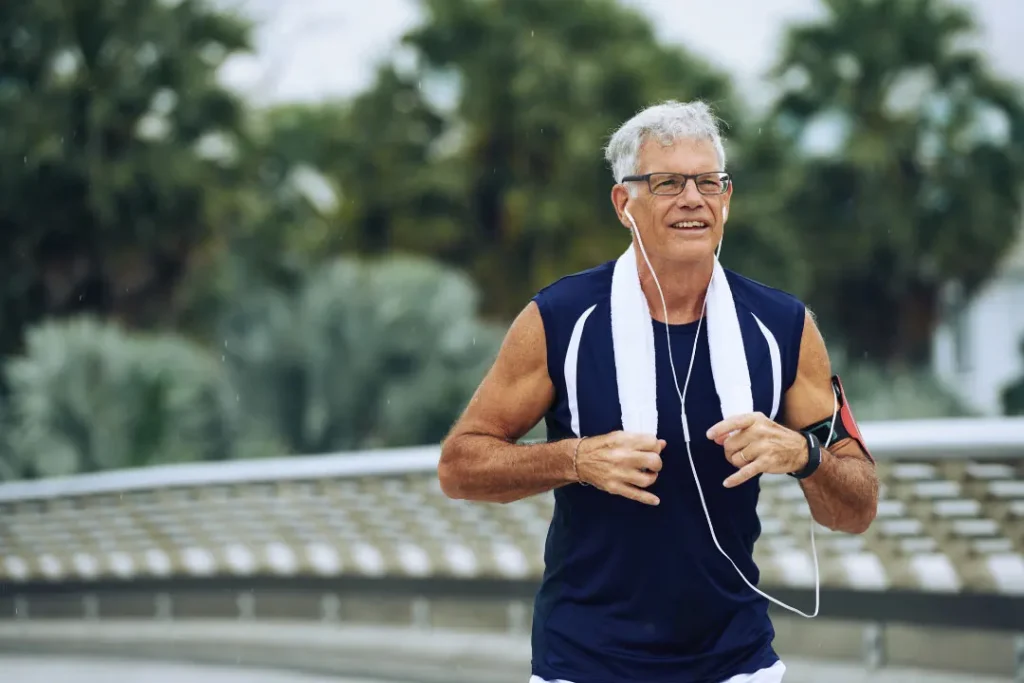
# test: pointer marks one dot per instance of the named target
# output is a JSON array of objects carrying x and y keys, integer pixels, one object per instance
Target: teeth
[{"x": 690, "y": 224}]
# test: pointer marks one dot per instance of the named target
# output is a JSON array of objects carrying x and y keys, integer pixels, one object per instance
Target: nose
[{"x": 690, "y": 198}]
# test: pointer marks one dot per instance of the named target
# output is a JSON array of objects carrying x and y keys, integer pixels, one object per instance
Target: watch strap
[{"x": 813, "y": 456}]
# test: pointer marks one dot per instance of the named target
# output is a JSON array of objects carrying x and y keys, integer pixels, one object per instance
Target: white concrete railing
[{"x": 941, "y": 439}]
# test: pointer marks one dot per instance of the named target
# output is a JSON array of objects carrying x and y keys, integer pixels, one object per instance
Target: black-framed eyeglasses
[{"x": 713, "y": 183}]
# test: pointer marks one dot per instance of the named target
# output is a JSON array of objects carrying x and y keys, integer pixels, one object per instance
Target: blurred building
[{"x": 977, "y": 348}]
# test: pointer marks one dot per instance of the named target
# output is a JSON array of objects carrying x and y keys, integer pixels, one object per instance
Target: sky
[{"x": 312, "y": 49}]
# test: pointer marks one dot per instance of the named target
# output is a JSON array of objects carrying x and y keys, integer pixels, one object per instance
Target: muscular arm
[
  {"x": 480, "y": 459},
  {"x": 843, "y": 492}
]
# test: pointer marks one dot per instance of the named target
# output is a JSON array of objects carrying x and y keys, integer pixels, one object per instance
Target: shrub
[
  {"x": 87, "y": 396},
  {"x": 365, "y": 354}
]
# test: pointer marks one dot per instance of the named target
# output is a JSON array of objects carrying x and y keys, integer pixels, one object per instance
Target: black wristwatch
[{"x": 813, "y": 457}]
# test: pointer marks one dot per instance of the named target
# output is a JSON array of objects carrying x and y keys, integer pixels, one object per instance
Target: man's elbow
[
  {"x": 449, "y": 475},
  {"x": 859, "y": 524},
  {"x": 868, "y": 510},
  {"x": 449, "y": 482},
  {"x": 857, "y": 521}
]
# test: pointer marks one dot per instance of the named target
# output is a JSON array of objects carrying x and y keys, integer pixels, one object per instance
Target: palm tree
[{"x": 914, "y": 165}]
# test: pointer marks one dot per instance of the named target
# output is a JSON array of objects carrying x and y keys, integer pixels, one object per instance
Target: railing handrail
[
  {"x": 412, "y": 460},
  {"x": 953, "y": 438}
]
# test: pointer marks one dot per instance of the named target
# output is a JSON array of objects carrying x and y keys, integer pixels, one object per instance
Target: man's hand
[
  {"x": 757, "y": 445},
  {"x": 621, "y": 463}
]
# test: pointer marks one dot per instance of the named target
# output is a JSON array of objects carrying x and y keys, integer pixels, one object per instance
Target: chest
[{"x": 589, "y": 402}]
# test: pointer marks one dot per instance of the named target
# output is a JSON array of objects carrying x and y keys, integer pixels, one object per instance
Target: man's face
[{"x": 688, "y": 226}]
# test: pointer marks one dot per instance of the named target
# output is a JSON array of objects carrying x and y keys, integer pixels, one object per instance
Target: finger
[
  {"x": 642, "y": 442},
  {"x": 641, "y": 479},
  {"x": 637, "y": 494},
  {"x": 732, "y": 424},
  {"x": 745, "y": 473},
  {"x": 738, "y": 441},
  {"x": 744, "y": 456},
  {"x": 739, "y": 459},
  {"x": 646, "y": 461}
]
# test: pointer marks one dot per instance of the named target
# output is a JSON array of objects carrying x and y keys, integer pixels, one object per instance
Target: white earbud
[{"x": 725, "y": 213}]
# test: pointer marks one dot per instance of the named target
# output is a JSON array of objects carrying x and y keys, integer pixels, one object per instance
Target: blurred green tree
[
  {"x": 365, "y": 354},
  {"x": 329, "y": 178},
  {"x": 538, "y": 88},
  {"x": 87, "y": 396},
  {"x": 117, "y": 154},
  {"x": 482, "y": 146},
  {"x": 380, "y": 185},
  {"x": 915, "y": 160}
]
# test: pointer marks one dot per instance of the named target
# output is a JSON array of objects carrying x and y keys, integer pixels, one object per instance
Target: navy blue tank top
[{"x": 638, "y": 593}]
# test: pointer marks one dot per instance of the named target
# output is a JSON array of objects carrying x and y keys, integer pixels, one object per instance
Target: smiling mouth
[{"x": 690, "y": 225}]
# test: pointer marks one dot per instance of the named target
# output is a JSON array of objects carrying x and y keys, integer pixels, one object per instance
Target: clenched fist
[{"x": 621, "y": 463}]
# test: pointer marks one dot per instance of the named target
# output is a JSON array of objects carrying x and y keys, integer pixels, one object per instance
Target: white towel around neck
[{"x": 633, "y": 342}]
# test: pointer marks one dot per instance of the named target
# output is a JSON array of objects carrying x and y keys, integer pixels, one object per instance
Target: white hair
[{"x": 666, "y": 123}]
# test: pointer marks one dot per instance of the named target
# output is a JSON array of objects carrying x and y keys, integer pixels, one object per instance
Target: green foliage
[
  {"x": 919, "y": 182},
  {"x": 116, "y": 154},
  {"x": 88, "y": 396},
  {"x": 486, "y": 153},
  {"x": 135, "y": 188},
  {"x": 364, "y": 354}
]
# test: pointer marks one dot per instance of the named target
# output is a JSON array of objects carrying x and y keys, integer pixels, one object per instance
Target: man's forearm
[
  {"x": 843, "y": 492},
  {"x": 486, "y": 468}
]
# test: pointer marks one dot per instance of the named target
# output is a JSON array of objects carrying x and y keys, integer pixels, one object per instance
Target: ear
[
  {"x": 620, "y": 198},
  {"x": 725, "y": 213}
]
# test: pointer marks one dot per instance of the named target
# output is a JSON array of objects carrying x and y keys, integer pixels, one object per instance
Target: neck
[{"x": 684, "y": 284}]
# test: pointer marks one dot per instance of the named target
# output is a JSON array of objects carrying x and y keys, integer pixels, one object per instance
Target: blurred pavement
[
  {"x": 25, "y": 669},
  {"x": 377, "y": 653}
]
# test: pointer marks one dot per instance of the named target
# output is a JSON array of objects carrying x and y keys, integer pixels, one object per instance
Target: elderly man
[{"x": 668, "y": 385}]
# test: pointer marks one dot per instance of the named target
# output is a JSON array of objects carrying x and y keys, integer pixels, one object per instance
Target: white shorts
[{"x": 773, "y": 674}]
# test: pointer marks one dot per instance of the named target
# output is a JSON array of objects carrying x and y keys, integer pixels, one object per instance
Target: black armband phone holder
[{"x": 841, "y": 425}]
